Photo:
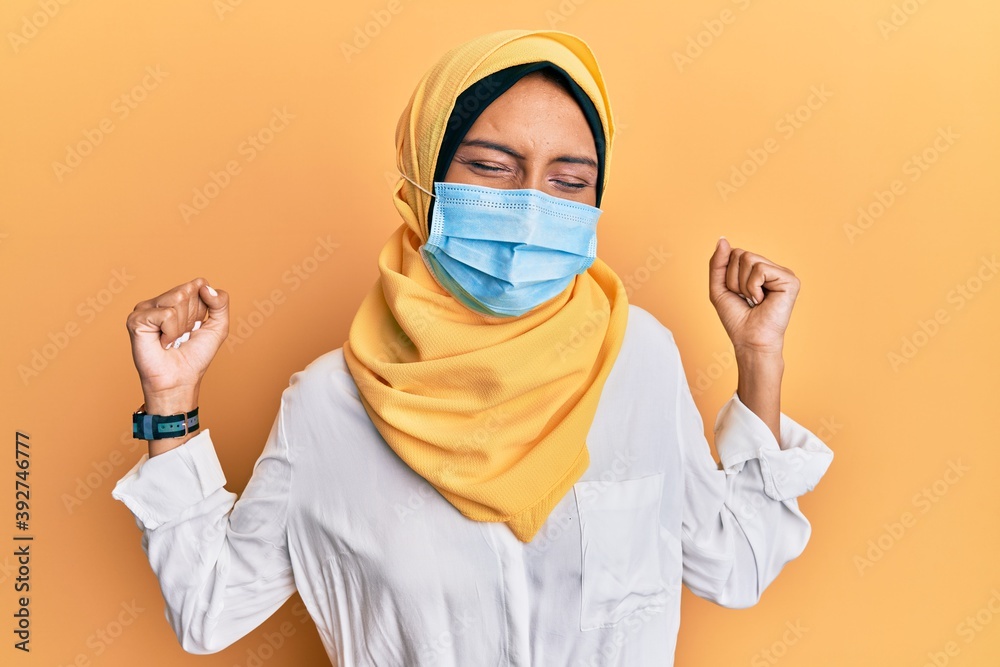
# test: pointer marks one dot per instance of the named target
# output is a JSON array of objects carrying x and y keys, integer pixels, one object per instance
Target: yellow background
[{"x": 896, "y": 77}]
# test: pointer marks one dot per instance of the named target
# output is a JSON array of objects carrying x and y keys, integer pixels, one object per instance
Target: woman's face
[{"x": 533, "y": 136}]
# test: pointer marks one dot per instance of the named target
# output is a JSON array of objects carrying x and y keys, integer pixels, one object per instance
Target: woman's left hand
[{"x": 734, "y": 274}]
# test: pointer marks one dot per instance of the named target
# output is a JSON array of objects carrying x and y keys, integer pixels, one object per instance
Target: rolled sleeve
[
  {"x": 159, "y": 489},
  {"x": 788, "y": 471}
]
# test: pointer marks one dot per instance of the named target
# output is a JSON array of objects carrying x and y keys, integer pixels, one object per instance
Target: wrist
[
  {"x": 759, "y": 370},
  {"x": 759, "y": 374},
  {"x": 755, "y": 356},
  {"x": 181, "y": 400},
  {"x": 758, "y": 387}
]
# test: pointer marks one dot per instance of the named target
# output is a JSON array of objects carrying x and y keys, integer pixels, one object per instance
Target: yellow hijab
[{"x": 493, "y": 413}]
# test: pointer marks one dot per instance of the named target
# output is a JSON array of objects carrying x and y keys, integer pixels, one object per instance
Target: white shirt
[{"x": 392, "y": 574}]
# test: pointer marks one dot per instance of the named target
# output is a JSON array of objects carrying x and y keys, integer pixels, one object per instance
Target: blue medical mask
[{"x": 504, "y": 252}]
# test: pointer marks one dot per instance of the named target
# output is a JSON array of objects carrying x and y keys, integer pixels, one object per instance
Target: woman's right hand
[{"x": 171, "y": 376}]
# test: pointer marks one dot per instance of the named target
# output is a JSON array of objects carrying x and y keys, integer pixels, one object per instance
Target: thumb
[
  {"x": 717, "y": 267},
  {"x": 218, "y": 309}
]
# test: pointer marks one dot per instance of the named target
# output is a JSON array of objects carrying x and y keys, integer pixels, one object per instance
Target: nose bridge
[{"x": 534, "y": 174}]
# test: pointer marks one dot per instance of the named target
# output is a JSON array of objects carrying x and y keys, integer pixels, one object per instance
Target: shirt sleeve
[
  {"x": 223, "y": 564},
  {"x": 742, "y": 523}
]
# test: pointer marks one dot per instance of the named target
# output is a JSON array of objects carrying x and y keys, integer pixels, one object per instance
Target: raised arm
[
  {"x": 223, "y": 564},
  {"x": 742, "y": 523}
]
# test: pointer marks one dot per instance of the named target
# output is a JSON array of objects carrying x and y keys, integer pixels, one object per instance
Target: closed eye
[{"x": 486, "y": 167}]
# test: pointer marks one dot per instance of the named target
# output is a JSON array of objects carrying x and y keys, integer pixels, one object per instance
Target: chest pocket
[{"x": 619, "y": 546}]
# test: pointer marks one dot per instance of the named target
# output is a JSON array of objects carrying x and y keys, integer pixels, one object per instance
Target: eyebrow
[{"x": 572, "y": 159}]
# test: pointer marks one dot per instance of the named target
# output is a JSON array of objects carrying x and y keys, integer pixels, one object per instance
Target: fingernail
[
  {"x": 755, "y": 301},
  {"x": 175, "y": 343},
  {"x": 184, "y": 338},
  {"x": 197, "y": 325},
  {"x": 749, "y": 302},
  {"x": 212, "y": 291}
]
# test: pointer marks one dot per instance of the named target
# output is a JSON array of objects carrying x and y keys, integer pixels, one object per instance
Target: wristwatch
[{"x": 156, "y": 427}]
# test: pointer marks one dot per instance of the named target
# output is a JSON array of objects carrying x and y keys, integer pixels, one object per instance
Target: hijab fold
[{"x": 492, "y": 412}]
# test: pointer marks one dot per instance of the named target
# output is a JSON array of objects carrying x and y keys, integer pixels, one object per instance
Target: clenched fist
[
  {"x": 175, "y": 336},
  {"x": 753, "y": 297}
]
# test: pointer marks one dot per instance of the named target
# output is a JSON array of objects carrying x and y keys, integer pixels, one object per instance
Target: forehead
[
  {"x": 538, "y": 108},
  {"x": 537, "y": 91}
]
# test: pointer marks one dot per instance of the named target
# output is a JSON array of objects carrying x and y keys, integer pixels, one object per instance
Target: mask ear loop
[
  {"x": 430, "y": 223},
  {"x": 419, "y": 187}
]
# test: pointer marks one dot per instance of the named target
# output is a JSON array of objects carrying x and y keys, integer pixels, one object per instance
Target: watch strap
[{"x": 156, "y": 427}]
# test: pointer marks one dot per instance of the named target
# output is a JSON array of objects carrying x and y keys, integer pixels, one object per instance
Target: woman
[{"x": 503, "y": 464}]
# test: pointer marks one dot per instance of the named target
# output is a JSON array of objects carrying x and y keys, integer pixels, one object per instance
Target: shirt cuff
[
  {"x": 158, "y": 489},
  {"x": 788, "y": 472}
]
